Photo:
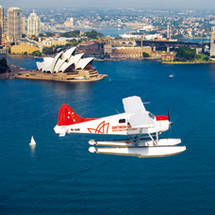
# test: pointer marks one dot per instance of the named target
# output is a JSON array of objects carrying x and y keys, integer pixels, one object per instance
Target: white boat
[
  {"x": 171, "y": 76},
  {"x": 32, "y": 141}
]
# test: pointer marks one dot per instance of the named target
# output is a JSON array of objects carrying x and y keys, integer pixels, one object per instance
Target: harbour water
[{"x": 60, "y": 176}]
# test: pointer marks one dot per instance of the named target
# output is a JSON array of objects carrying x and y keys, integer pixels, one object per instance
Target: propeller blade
[
  {"x": 168, "y": 115},
  {"x": 170, "y": 123}
]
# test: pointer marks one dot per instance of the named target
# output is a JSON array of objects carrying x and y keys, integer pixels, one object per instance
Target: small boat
[
  {"x": 171, "y": 76},
  {"x": 32, "y": 141}
]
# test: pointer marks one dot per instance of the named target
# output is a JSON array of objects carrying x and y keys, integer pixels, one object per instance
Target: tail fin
[{"x": 67, "y": 116}]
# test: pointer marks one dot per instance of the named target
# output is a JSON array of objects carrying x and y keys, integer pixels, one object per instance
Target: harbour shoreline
[
  {"x": 33, "y": 74},
  {"x": 190, "y": 62}
]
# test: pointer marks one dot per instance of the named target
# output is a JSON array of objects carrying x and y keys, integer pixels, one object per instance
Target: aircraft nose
[{"x": 170, "y": 123}]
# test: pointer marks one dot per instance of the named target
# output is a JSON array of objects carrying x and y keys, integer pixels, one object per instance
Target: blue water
[
  {"x": 105, "y": 30},
  {"x": 60, "y": 176},
  {"x": 199, "y": 40},
  {"x": 112, "y": 31}
]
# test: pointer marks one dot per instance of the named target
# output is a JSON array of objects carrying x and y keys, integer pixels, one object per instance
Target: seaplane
[{"x": 134, "y": 123}]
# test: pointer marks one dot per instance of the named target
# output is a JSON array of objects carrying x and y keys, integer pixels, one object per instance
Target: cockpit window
[
  {"x": 122, "y": 121},
  {"x": 152, "y": 116}
]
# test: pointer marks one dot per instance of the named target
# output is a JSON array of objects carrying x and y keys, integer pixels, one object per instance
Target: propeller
[{"x": 168, "y": 114}]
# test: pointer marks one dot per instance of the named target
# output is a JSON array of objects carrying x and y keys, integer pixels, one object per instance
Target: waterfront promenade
[{"x": 33, "y": 74}]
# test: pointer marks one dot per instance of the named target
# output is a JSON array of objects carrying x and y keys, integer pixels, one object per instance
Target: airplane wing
[{"x": 138, "y": 117}]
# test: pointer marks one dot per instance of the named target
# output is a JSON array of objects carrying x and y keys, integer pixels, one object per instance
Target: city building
[
  {"x": 107, "y": 49},
  {"x": 90, "y": 48},
  {"x": 5, "y": 27},
  {"x": 33, "y": 24},
  {"x": 212, "y": 48},
  {"x": 3, "y": 54},
  {"x": 1, "y": 23},
  {"x": 23, "y": 48},
  {"x": 14, "y": 16},
  {"x": 130, "y": 52},
  {"x": 23, "y": 25},
  {"x": 69, "y": 22},
  {"x": 166, "y": 56},
  {"x": 53, "y": 42}
]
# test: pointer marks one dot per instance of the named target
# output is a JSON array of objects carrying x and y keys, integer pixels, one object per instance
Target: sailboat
[{"x": 32, "y": 143}]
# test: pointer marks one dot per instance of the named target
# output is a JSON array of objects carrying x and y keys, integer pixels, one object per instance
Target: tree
[
  {"x": 49, "y": 50},
  {"x": 37, "y": 53},
  {"x": 50, "y": 34},
  {"x": 185, "y": 54},
  {"x": 73, "y": 42},
  {"x": 145, "y": 54},
  {"x": 206, "y": 58},
  {"x": 93, "y": 34},
  {"x": 41, "y": 35},
  {"x": 75, "y": 33}
]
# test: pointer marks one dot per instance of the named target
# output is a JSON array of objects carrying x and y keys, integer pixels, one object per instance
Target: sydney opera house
[{"x": 65, "y": 66}]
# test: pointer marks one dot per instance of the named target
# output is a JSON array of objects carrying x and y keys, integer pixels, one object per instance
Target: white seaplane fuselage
[
  {"x": 133, "y": 123},
  {"x": 114, "y": 125}
]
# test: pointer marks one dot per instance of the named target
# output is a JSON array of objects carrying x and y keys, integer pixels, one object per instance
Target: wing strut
[
  {"x": 155, "y": 142},
  {"x": 136, "y": 139}
]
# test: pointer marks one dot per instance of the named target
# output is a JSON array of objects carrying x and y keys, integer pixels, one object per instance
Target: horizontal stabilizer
[{"x": 61, "y": 130}]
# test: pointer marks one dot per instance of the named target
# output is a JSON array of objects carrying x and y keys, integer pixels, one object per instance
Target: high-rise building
[
  {"x": 1, "y": 23},
  {"x": 1, "y": 16},
  {"x": 71, "y": 22},
  {"x": 33, "y": 24},
  {"x": 5, "y": 27},
  {"x": 23, "y": 25},
  {"x": 212, "y": 48},
  {"x": 168, "y": 31},
  {"x": 14, "y": 16}
]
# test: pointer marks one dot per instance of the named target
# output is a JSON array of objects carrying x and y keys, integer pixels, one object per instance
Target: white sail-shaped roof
[
  {"x": 73, "y": 60},
  {"x": 46, "y": 67},
  {"x": 59, "y": 64},
  {"x": 65, "y": 57},
  {"x": 69, "y": 53},
  {"x": 55, "y": 61},
  {"x": 39, "y": 65},
  {"x": 64, "y": 60},
  {"x": 82, "y": 63},
  {"x": 46, "y": 64}
]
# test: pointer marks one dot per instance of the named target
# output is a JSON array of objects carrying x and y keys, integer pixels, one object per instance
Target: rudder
[{"x": 67, "y": 116}]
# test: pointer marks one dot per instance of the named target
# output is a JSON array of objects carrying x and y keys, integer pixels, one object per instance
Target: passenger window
[{"x": 122, "y": 121}]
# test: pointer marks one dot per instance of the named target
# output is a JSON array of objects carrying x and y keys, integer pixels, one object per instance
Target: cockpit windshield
[{"x": 152, "y": 116}]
